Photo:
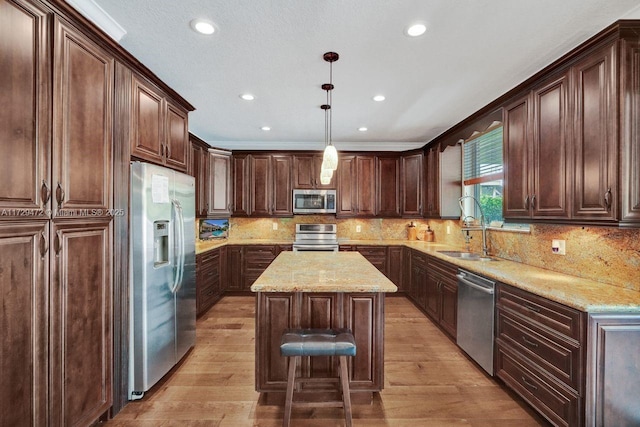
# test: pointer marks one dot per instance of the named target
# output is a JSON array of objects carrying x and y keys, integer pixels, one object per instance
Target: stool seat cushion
[{"x": 317, "y": 342}]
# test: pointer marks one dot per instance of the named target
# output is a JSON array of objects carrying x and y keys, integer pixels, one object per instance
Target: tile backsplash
[{"x": 603, "y": 254}]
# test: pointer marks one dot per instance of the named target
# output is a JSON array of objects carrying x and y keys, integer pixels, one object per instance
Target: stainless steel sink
[{"x": 467, "y": 256}]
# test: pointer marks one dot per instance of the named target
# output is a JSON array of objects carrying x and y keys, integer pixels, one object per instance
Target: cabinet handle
[
  {"x": 43, "y": 245},
  {"x": 59, "y": 194},
  {"x": 526, "y": 202},
  {"x": 533, "y": 201},
  {"x": 206, "y": 208},
  {"x": 162, "y": 150},
  {"x": 57, "y": 244},
  {"x": 167, "y": 150},
  {"x": 532, "y": 308},
  {"x": 529, "y": 384},
  {"x": 528, "y": 342},
  {"x": 607, "y": 198},
  {"x": 45, "y": 193}
]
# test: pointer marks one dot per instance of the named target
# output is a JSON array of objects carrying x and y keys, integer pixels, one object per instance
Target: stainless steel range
[{"x": 316, "y": 237}]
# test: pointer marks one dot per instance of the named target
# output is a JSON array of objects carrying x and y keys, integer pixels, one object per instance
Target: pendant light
[
  {"x": 330, "y": 157},
  {"x": 326, "y": 173}
]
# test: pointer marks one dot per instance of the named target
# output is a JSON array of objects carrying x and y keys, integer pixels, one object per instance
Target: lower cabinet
[
  {"x": 210, "y": 268},
  {"x": 540, "y": 353}
]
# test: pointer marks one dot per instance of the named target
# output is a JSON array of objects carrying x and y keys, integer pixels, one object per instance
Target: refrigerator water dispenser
[{"x": 160, "y": 243}]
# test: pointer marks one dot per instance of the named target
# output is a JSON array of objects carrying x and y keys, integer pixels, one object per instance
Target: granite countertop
[
  {"x": 582, "y": 294},
  {"x": 322, "y": 272}
]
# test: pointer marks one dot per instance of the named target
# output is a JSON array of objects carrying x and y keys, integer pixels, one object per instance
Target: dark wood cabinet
[
  {"x": 159, "y": 127},
  {"x": 443, "y": 181},
  {"x": 82, "y": 124},
  {"x": 537, "y": 152},
  {"x": 540, "y": 353},
  {"x": 200, "y": 171},
  {"x": 25, "y": 121},
  {"x": 25, "y": 288},
  {"x": 356, "y": 186},
  {"x": 387, "y": 188},
  {"x": 306, "y": 172},
  {"x": 411, "y": 184},
  {"x": 80, "y": 347},
  {"x": 395, "y": 266},
  {"x": 595, "y": 140},
  {"x": 432, "y": 182},
  {"x": 361, "y": 312},
  {"x": 209, "y": 278},
  {"x": 234, "y": 277},
  {"x": 255, "y": 260},
  {"x": 218, "y": 189},
  {"x": 376, "y": 255},
  {"x": 418, "y": 278},
  {"x": 629, "y": 184},
  {"x": 267, "y": 191}
]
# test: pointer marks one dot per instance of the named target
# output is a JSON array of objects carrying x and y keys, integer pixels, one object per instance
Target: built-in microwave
[{"x": 314, "y": 201}]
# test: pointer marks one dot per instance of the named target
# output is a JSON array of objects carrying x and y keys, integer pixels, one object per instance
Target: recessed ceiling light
[
  {"x": 363, "y": 129},
  {"x": 379, "y": 98},
  {"x": 416, "y": 30},
  {"x": 265, "y": 128},
  {"x": 203, "y": 26},
  {"x": 247, "y": 97}
]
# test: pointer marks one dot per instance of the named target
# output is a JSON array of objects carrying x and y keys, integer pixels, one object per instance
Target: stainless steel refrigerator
[{"x": 162, "y": 273}]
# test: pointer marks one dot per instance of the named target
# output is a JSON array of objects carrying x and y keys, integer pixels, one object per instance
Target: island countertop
[{"x": 322, "y": 272}]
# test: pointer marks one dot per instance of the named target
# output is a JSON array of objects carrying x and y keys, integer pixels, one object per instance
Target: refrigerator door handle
[
  {"x": 177, "y": 237},
  {"x": 182, "y": 247}
]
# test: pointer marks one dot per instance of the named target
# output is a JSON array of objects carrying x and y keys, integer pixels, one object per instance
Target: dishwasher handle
[{"x": 467, "y": 282}]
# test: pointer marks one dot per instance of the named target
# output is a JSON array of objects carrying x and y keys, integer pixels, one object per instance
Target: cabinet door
[
  {"x": 219, "y": 176},
  {"x": 449, "y": 308},
  {"x": 82, "y": 124},
  {"x": 595, "y": 163},
  {"x": 177, "y": 138},
  {"x": 411, "y": 185},
  {"x": 200, "y": 161},
  {"x": 362, "y": 313},
  {"x": 24, "y": 120},
  {"x": 241, "y": 199},
  {"x": 550, "y": 156},
  {"x": 347, "y": 188},
  {"x": 282, "y": 196},
  {"x": 432, "y": 184},
  {"x": 322, "y": 311},
  {"x": 23, "y": 292},
  {"x": 147, "y": 133},
  {"x": 80, "y": 349},
  {"x": 366, "y": 193},
  {"x": 234, "y": 276},
  {"x": 388, "y": 186},
  {"x": 303, "y": 172},
  {"x": 516, "y": 158},
  {"x": 394, "y": 265},
  {"x": 629, "y": 134},
  {"x": 260, "y": 185},
  {"x": 432, "y": 297}
]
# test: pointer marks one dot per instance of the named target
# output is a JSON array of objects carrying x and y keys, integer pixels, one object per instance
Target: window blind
[{"x": 483, "y": 156}]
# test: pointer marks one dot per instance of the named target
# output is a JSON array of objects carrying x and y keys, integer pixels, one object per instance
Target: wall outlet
[
  {"x": 275, "y": 226},
  {"x": 358, "y": 228},
  {"x": 448, "y": 229},
  {"x": 558, "y": 247}
]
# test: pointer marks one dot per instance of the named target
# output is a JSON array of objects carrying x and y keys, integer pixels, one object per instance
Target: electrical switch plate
[
  {"x": 558, "y": 247},
  {"x": 275, "y": 225},
  {"x": 358, "y": 228}
]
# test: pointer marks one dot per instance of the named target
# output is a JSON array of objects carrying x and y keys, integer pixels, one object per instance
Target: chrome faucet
[{"x": 468, "y": 224}]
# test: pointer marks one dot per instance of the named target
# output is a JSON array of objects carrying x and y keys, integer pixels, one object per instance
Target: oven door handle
[
  {"x": 315, "y": 247},
  {"x": 467, "y": 282}
]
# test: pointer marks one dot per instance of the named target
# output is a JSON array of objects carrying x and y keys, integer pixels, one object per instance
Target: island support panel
[{"x": 363, "y": 313}]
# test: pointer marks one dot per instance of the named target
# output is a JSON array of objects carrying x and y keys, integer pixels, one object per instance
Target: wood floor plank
[{"x": 428, "y": 381}]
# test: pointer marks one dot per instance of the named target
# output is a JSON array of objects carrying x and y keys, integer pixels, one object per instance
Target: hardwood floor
[{"x": 428, "y": 381}]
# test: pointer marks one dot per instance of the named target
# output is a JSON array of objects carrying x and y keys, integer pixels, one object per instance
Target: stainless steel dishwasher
[{"x": 475, "y": 318}]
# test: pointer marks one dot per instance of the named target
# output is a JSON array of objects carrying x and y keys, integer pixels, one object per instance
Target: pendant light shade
[
  {"x": 325, "y": 176},
  {"x": 330, "y": 158}
]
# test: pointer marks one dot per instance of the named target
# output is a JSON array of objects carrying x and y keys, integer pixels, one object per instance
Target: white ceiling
[{"x": 473, "y": 52}]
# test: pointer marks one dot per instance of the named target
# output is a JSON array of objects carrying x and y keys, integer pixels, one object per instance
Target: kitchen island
[{"x": 321, "y": 290}]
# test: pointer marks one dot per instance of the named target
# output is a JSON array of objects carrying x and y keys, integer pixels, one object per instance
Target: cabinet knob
[{"x": 167, "y": 150}]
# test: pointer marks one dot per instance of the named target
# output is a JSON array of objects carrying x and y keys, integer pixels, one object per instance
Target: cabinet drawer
[
  {"x": 562, "y": 358},
  {"x": 260, "y": 251},
  {"x": 557, "y": 404},
  {"x": 555, "y": 316},
  {"x": 372, "y": 251},
  {"x": 418, "y": 258}
]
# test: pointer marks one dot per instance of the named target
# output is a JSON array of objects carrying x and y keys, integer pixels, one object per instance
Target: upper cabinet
[
  {"x": 443, "y": 181},
  {"x": 306, "y": 172},
  {"x": 262, "y": 184},
  {"x": 411, "y": 184},
  {"x": 159, "y": 128},
  {"x": 212, "y": 171},
  {"x": 388, "y": 186},
  {"x": 356, "y": 185},
  {"x": 571, "y": 143}
]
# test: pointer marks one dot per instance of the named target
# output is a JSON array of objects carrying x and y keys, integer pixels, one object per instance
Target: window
[{"x": 483, "y": 176}]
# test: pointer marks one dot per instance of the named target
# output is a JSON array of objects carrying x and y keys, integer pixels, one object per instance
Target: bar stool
[{"x": 297, "y": 343}]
